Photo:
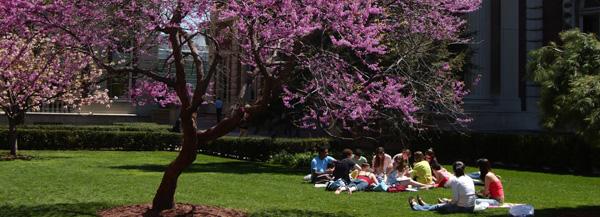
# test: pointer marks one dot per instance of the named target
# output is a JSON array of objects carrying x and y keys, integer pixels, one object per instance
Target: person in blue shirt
[
  {"x": 318, "y": 165},
  {"x": 219, "y": 108}
]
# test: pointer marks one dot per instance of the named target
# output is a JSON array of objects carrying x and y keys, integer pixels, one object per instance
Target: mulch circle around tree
[{"x": 181, "y": 210}]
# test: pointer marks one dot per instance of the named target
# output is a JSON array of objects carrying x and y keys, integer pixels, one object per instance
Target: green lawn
[{"x": 78, "y": 183}]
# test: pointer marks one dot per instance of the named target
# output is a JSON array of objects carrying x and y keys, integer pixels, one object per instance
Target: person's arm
[
  {"x": 487, "y": 182},
  {"x": 314, "y": 169},
  {"x": 374, "y": 178}
]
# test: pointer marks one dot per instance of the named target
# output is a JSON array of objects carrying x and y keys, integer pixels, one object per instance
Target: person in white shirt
[
  {"x": 382, "y": 163},
  {"x": 463, "y": 194}
]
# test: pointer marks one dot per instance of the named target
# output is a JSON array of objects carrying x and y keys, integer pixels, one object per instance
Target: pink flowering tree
[
  {"x": 409, "y": 86},
  {"x": 34, "y": 72},
  {"x": 337, "y": 47}
]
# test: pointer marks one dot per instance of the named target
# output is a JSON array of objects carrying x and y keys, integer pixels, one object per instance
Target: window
[{"x": 589, "y": 16}]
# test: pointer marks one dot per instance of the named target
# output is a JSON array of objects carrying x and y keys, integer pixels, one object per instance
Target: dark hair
[
  {"x": 322, "y": 148},
  {"x": 459, "y": 168},
  {"x": 358, "y": 152},
  {"x": 436, "y": 166},
  {"x": 365, "y": 165},
  {"x": 430, "y": 152},
  {"x": 378, "y": 160},
  {"x": 330, "y": 165},
  {"x": 418, "y": 156},
  {"x": 347, "y": 152},
  {"x": 484, "y": 167},
  {"x": 401, "y": 164}
]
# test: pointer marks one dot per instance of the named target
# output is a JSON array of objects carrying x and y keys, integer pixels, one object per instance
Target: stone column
[
  {"x": 535, "y": 39},
  {"x": 509, "y": 100},
  {"x": 479, "y": 22}
]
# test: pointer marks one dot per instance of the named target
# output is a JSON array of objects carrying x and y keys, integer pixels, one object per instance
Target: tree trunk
[
  {"x": 165, "y": 195},
  {"x": 12, "y": 136}
]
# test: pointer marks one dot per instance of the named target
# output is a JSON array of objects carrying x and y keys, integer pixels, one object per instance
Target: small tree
[
  {"x": 568, "y": 73},
  {"x": 34, "y": 72}
]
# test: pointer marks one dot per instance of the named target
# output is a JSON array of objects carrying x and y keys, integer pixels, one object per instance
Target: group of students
[{"x": 393, "y": 174}]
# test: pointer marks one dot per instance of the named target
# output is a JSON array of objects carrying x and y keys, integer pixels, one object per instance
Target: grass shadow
[
  {"x": 53, "y": 210},
  {"x": 223, "y": 167},
  {"x": 580, "y": 211},
  {"x": 295, "y": 213}
]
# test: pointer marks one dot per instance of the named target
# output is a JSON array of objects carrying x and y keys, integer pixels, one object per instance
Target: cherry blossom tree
[
  {"x": 338, "y": 47},
  {"x": 34, "y": 72}
]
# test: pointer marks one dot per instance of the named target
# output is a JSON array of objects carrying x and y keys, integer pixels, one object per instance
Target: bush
[
  {"x": 260, "y": 148},
  {"x": 558, "y": 152},
  {"x": 115, "y": 127},
  {"x": 44, "y": 139},
  {"x": 296, "y": 161}
]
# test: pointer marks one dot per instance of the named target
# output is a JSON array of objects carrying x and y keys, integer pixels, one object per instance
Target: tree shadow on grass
[
  {"x": 295, "y": 213},
  {"x": 223, "y": 167},
  {"x": 53, "y": 210},
  {"x": 580, "y": 211}
]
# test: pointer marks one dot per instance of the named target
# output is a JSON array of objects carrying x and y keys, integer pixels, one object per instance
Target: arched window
[{"x": 589, "y": 16}]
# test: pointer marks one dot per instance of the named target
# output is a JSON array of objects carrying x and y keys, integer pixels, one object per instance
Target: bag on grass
[{"x": 396, "y": 188}]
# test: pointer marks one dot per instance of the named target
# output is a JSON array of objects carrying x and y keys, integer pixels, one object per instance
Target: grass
[{"x": 78, "y": 183}]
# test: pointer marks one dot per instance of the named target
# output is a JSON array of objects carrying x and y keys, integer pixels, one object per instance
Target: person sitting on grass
[
  {"x": 463, "y": 194},
  {"x": 358, "y": 157},
  {"x": 442, "y": 176},
  {"x": 421, "y": 171},
  {"x": 344, "y": 167},
  {"x": 363, "y": 181},
  {"x": 382, "y": 163},
  {"x": 318, "y": 165},
  {"x": 493, "y": 190},
  {"x": 400, "y": 175}
]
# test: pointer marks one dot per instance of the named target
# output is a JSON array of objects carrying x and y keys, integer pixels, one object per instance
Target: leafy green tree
[{"x": 569, "y": 76}]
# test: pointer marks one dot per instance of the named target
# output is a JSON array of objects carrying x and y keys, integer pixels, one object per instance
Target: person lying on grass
[
  {"x": 442, "y": 176},
  {"x": 400, "y": 175},
  {"x": 463, "y": 194},
  {"x": 363, "y": 181}
]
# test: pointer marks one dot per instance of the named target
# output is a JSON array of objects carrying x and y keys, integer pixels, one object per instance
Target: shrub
[
  {"x": 558, "y": 152},
  {"x": 296, "y": 161}
]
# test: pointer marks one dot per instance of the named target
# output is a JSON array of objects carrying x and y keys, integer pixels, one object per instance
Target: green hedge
[
  {"x": 115, "y": 127},
  {"x": 44, "y": 139},
  {"x": 261, "y": 148},
  {"x": 556, "y": 153}
]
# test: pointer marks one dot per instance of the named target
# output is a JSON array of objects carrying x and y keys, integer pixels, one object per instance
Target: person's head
[
  {"x": 330, "y": 166},
  {"x": 323, "y": 151},
  {"x": 436, "y": 166},
  {"x": 406, "y": 154},
  {"x": 484, "y": 167},
  {"x": 365, "y": 166},
  {"x": 459, "y": 168},
  {"x": 418, "y": 156},
  {"x": 429, "y": 154},
  {"x": 218, "y": 98},
  {"x": 358, "y": 153},
  {"x": 399, "y": 164},
  {"x": 347, "y": 153}
]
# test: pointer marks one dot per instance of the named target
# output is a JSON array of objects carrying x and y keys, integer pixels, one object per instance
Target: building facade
[{"x": 506, "y": 30}]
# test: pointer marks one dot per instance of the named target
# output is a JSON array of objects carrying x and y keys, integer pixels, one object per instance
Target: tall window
[{"x": 589, "y": 16}]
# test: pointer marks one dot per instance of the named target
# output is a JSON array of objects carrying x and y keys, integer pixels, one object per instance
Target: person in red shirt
[{"x": 493, "y": 190}]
